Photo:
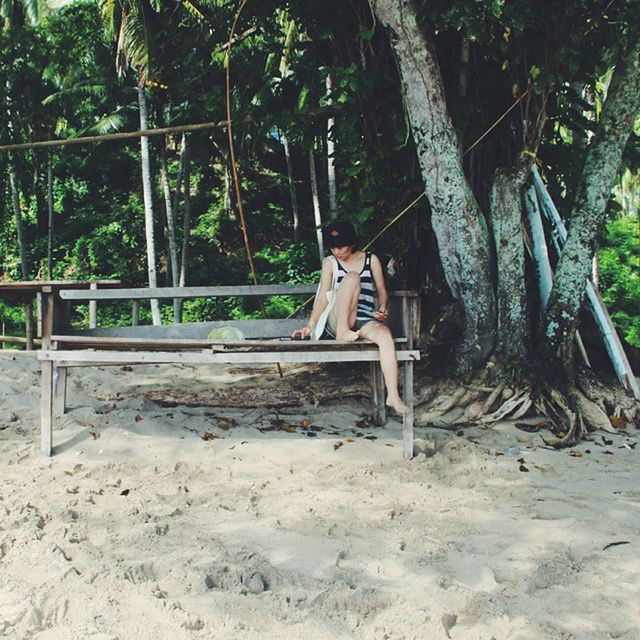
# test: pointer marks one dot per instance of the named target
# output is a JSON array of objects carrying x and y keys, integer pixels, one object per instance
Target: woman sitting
[{"x": 345, "y": 305}]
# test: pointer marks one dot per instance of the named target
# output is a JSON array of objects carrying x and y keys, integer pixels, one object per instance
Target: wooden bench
[{"x": 188, "y": 343}]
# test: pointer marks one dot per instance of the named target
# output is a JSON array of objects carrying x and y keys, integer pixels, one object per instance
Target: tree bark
[
  {"x": 458, "y": 223},
  {"x": 171, "y": 226},
  {"x": 186, "y": 222},
  {"x": 22, "y": 249},
  {"x": 331, "y": 150},
  {"x": 292, "y": 188},
  {"x": 50, "y": 214},
  {"x": 316, "y": 203},
  {"x": 506, "y": 213},
  {"x": 147, "y": 192},
  {"x": 592, "y": 194}
]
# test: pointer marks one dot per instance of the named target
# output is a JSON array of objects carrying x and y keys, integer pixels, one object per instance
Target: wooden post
[
  {"x": 407, "y": 419},
  {"x": 93, "y": 308},
  {"x": 39, "y": 314},
  {"x": 59, "y": 402},
  {"x": 46, "y": 413},
  {"x": 135, "y": 313},
  {"x": 28, "y": 312},
  {"x": 377, "y": 388}
]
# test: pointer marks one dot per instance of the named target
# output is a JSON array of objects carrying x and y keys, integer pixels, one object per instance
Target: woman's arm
[
  {"x": 320, "y": 302},
  {"x": 381, "y": 289}
]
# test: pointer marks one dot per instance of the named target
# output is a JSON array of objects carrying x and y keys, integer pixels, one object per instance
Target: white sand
[{"x": 139, "y": 528}]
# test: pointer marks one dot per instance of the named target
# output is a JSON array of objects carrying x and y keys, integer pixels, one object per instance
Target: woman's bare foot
[
  {"x": 397, "y": 405},
  {"x": 347, "y": 336}
]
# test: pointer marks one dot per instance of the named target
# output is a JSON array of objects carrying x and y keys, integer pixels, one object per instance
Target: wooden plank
[
  {"x": 100, "y": 342},
  {"x": 407, "y": 419},
  {"x": 272, "y": 328},
  {"x": 81, "y": 358},
  {"x": 46, "y": 409},
  {"x": 165, "y": 293}
]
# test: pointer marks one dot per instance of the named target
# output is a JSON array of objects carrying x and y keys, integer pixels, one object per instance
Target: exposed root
[{"x": 571, "y": 414}]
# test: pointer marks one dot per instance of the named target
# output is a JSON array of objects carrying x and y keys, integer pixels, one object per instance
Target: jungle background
[{"x": 321, "y": 131}]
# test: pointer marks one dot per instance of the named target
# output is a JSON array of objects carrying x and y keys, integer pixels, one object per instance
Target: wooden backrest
[{"x": 403, "y": 312}]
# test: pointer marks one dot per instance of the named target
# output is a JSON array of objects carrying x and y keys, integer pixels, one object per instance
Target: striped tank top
[{"x": 367, "y": 299}]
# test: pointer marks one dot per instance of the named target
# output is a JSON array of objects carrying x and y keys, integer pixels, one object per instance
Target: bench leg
[
  {"x": 46, "y": 408},
  {"x": 377, "y": 388},
  {"x": 59, "y": 391},
  {"x": 407, "y": 419}
]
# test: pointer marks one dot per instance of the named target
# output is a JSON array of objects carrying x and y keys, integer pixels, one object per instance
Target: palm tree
[{"x": 130, "y": 21}]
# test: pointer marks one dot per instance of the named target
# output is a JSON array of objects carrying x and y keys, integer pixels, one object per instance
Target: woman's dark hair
[{"x": 339, "y": 234}]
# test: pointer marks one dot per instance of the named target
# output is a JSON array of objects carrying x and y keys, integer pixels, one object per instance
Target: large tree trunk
[
  {"x": 292, "y": 188},
  {"x": 458, "y": 223},
  {"x": 601, "y": 167},
  {"x": 506, "y": 215},
  {"x": 147, "y": 192}
]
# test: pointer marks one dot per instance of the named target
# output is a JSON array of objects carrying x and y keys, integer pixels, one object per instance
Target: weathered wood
[
  {"x": 135, "y": 313},
  {"x": 93, "y": 309},
  {"x": 378, "y": 395},
  {"x": 279, "y": 344},
  {"x": 66, "y": 358},
  {"x": 59, "y": 391},
  {"x": 166, "y": 293},
  {"x": 46, "y": 409}
]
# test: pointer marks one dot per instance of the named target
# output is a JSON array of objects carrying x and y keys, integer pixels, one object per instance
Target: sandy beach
[{"x": 198, "y": 504}]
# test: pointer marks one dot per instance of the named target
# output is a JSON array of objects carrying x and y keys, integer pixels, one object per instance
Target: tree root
[{"x": 571, "y": 414}]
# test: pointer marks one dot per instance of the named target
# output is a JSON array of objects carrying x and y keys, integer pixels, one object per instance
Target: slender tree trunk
[
  {"x": 186, "y": 223},
  {"x": 506, "y": 212},
  {"x": 22, "y": 249},
  {"x": 587, "y": 215},
  {"x": 331, "y": 150},
  {"x": 50, "y": 214},
  {"x": 317, "y": 215},
  {"x": 147, "y": 192},
  {"x": 228, "y": 204},
  {"x": 458, "y": 223},
  {"x": 171, "y": 226},
  {"x": 292, "y": 188}
]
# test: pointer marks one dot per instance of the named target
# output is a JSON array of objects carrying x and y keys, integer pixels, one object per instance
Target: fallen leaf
[
  {"x": 95, "y": 435},
  {"x": 138, "y": 418},
  {"x": 207, "y": 435},
  {"x": 125, "y": 492},
  {"x": 575, "y": 454},
  {"x": 349, "y": 440},
  {"x": 304, "y": 423},
  {"x": 337, "y": 445},
  {"x": 126, "y": 368},
  {"x": 523, "y": 468},
  {"x": 226, "y": 423},
  {"x": 617, "y": 422}
]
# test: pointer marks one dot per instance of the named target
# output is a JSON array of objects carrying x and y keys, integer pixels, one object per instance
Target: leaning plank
[
  {"x": 81, "y": 358},
  {"x": 407, "y": 418}
]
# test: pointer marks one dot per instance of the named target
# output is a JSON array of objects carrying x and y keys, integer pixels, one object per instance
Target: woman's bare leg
[
  {"x": 381, "y": 335},
  {"x": 343, "y": 315}
]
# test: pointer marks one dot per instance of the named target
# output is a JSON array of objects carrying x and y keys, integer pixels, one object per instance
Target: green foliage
[{"x": 619, "y": 262}]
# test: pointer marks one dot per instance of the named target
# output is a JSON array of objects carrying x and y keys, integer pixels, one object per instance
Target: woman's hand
[
  {"x": 381, "y": 314},
  {"x": 302, "y": 334}
]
